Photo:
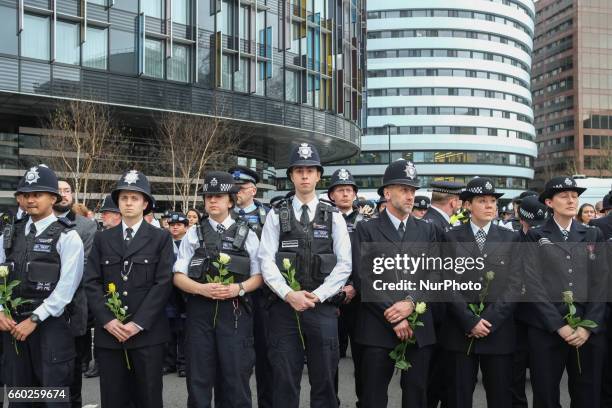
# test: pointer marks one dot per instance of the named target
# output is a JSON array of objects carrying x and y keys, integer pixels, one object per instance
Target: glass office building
[
  {"x": 448, "y": 87},
  {"x": 292, "y": 70}
]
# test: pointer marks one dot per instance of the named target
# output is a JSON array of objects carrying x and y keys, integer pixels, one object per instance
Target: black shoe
[
  {"x": 168, "y": 370},
  {"x": 92, "y": 372},
  {"x": 181, "y": 373}
]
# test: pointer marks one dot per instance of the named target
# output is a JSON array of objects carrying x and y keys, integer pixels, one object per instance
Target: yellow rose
[
  {"x": 111, "y": 288},
  {"x": 568, "y": 296},
  {"x": 4, "y": 271},
  {"x": 286, "y": 263},
  {"x": 420, "y": 308},
  {"x": 224, "y": 258}
]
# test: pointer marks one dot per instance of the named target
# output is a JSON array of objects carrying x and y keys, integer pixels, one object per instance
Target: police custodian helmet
[
  {"x": 108, "y": 205},
  {"x": 133, "y": 180},
  {"x": 400, "y": 172},
  {"x": 39, "y": 179},
  {"x": 342, "y": 177},
  {"x": 304, "y": 155}
]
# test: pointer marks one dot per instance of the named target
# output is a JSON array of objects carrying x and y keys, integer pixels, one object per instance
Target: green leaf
[
  {"x": 589, "y": 324},
  {"x": 402, "y": 365},
  {"x": 472, "y": 307},
  {"x": 419, "y": 324},
  {"x": 209, "y": 279},
  {"x": 393, "y": 354},
  {"x": 572, "y": 309},
  {"x": 216, "y": 265}
]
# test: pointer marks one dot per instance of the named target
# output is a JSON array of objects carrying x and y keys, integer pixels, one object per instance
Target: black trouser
[
  {"x": 263, "y": 368},
  {"x": 520, "y": 364},
  {"x": 377, "y": 370},
  {"x": 462, "y": 371},
  {"x": 550, "y": 355},
  {"x": 223, "y": 350},
  {"x": 175, "y": 348},
  {"x": 320, "y": 329},
  {"x": 606, "y": 382},
  {"x": 83, "y": 356},
  {"x": 346, "y": 332},
  {"x": 140, "y": 387},
  {"x": 45, "y": 359}
]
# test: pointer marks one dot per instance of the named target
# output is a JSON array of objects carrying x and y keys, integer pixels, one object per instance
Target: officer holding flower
[
  {"x": 131, "y": 264},
  {"x": 217, "y": 267},
  {"x": 44, "y": 255}
]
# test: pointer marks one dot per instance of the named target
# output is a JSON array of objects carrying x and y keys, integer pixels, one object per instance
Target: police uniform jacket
[
  {"x": 372, "y": 327},
  {"x": 147, "y": 261},
  {"x": 605, "y": 225},
  {"x": 553, "y": 266},
  {"x": 433, "y": 216},
  {"x": 499, "y": 255}
]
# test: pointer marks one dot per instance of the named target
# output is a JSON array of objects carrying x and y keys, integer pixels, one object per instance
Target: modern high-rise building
[
  {"x": 572, "y": 88},
  {"x": 448, "y": 87},
  {"x": 288, "y": 71}
]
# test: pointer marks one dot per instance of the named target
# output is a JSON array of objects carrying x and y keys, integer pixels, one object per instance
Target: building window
[
  {"x": 35, "y": 37},
  {"x": 178, "y": 65},
  {"x": 241, "y": 77},
  {"x": 95, "y": 49},
  {"x": 8, "y": 30},
  {"x": 180, "y": 11},
  {"x": 292, "y": 86},
  {"x": 68, "y": 43},
  {"x": 153, "y": 8},
  {"x": 122, "y": 51},
  {"x": 226, "y": 79},
  {"x": 154, "y": 58}
]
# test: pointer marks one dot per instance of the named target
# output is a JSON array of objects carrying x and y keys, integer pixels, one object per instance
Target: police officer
[
  {"x": 254, "y": 212},
  {"x": 314, "y": 238},
  {"x": 421, "y": 205},
  {"x": 45, "y": 254},
  {"x": 137, "y": 259},
  {"x": 515, "y": 219},
  {"x": 444, "y": 203},
  {"x": 484, "y": 340},
  {"x": 382, "y": 324},
  {"x": 109, "y": 213},
  {"x": 219, "y": 334},
  {"x": 532, "y": 214},
  {"x": 342, "y": 191},
  {"x": 86, "y": 229},
  {"x": 565, "y": 256},
  {"x": 177, "y": 223}
]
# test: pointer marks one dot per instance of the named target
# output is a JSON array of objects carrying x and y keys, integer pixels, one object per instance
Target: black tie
[
  {"x": 304, "y": 218},
  {"x": 564, "y": 232},
  {"x": 401, "y": 230},
  {"x": 128, "y": 236},
  {"x": 32, "y": 234},
  {"x": 481, "y": 238},
  {"x": 220, "y": 229}
]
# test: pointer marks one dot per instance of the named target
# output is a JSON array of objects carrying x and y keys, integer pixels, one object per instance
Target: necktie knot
[
  {"x": 241, "y": 212},
  {"x": 304, "y": 218},
  {"x": 565, "y": 234},
  {"x": 401, "y": 229},
  {"x": 220, "y": 228},
  {"x": 129, "y": 234},
  {"x": 32, "y": 229}
]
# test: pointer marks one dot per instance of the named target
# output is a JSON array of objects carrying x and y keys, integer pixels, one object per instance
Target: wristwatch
[
  {"x": 241, "y": 292},
  {"x": 34, "y": 318}
]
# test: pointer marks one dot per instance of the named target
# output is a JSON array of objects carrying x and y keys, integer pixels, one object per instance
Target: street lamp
[{"x": 388, "y": 126}]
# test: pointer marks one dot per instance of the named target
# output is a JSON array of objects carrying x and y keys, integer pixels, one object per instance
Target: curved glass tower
[{"x": 448, "y": 87}]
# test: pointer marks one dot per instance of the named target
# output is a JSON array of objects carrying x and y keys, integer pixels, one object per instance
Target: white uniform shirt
[
  {"x": 341, "y": 247},
  {"x": 190, "y": 243},
  {"x": 70, "y": 249}
]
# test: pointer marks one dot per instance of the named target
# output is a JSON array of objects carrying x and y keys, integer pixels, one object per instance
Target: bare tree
[
  {"x": 191, "y": 144},
  {"x": 84, "y": 146}
]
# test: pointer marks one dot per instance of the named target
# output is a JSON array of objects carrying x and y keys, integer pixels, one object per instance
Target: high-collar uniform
[
  {"x": 141, "y": 271},
  {"x": 374, "y": 332},
  {"x": 493, "y": 353},
  {"x": 552, "y": 266}
]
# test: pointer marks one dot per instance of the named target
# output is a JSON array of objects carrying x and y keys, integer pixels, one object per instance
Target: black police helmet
[
  {"x": 108, "y": 205},
  {"x": 133, "y": 180},
  {"x": 342, "y": 177},
  {"x": 304, "y": 155},
  {"x": 39, "y": 179},
  {"x": 399, "y": 172}
]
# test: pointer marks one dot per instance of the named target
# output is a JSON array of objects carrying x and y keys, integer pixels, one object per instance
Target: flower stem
[
  {"x": 216, "y": 312},
  {"x": 470, "y": 346},
  {"x": 15, "y": 344},
  {"x": 578, "y": 359},
  {"x": 127, "y": 360},
  {"x": 297, "y": 319}
]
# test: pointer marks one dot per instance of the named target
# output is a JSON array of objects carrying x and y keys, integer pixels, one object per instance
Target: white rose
[
  {"x": 420, "y": 308},
  {"x": 4, "y": 271},
  {"x": 286, "y": 263},
  {"x": 224, "y": 258}
]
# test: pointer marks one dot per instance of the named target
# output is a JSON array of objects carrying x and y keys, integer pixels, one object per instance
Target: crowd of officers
[{"x": 270, "y": 289}]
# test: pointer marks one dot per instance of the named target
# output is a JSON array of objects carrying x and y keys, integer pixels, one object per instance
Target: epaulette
[
  {"x": 66, "y": 222},
  {"x": 327, "y": 205}
]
